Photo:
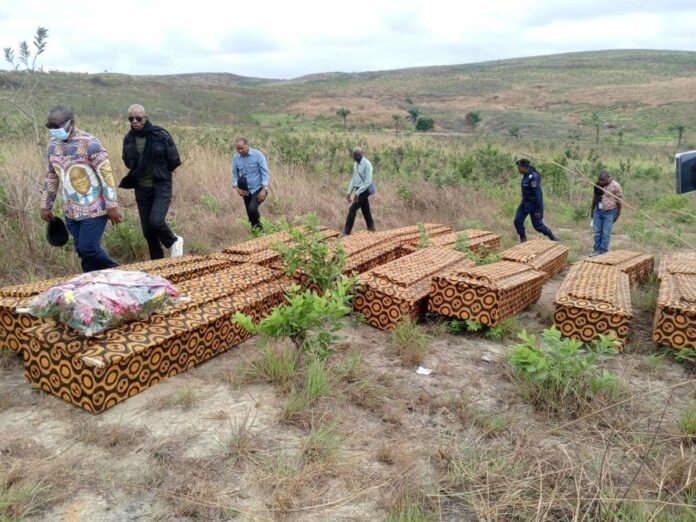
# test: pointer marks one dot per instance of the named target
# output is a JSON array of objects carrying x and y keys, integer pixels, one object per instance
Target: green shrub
[
  {"x": 425, "y": 124},
  {"x": 484, "y": 255},
  {"x": 322, "y": 443},
  {"x": 312, "y": 255},
  {"x": 126, "y": 241},
  {"x": 309, "y": 320},
  {"x": 561, "y": 375},
  {"x": 424, "y": 240}
]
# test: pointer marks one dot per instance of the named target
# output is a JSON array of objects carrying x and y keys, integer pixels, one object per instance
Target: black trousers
[
  {"x": 252, "y": 203},
  {"x": 363, "y": 203},
  {"x": 153, "y": 205}
]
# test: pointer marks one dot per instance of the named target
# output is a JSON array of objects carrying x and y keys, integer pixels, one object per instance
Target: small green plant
[
  {"x": 424, "y": 124},
  {"x": 409, "y": 509},
  {"x": 311, "y": 255},
  {"x": 409, "y": 341},
  {"x": 424, "y": 240},
  {"x": 210, "y": 203},
  {"x": 484, "y": 255},
  {"x": 125, "y": 241},
  {"x": 322, "y": 443},
  {"x": 238, "y": 443},
  {"x": 277, "y": 363},
  {"x": 503, "y": 329},
  {"x": 22, "y": 499},
  {"x": 267, "y": 226},
  {"x": 318, "y": 384},
  {"x": 687, "y": 421},
  {"x": 561, "y": 375},
  {"x": 309, "y": 320}
]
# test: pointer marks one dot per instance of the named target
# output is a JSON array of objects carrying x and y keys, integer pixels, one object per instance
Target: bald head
[
  {"x": 242, "y": 146},
  {"x": 137, "y": 116},
  {"x": 604, "y": 178}
]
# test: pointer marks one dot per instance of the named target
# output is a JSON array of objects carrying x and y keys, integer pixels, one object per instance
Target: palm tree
[
  {"x": 397, "y": 121},
  {"x": 413, "y": 114},
  {"x": 343, "y": 113},
  {"x": 679, "y": 128}
]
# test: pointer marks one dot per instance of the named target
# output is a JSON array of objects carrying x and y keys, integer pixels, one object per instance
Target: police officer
[{"x": 532, "y": 202}]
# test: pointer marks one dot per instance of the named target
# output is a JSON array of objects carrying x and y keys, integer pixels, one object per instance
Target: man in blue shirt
[
  {"x": 532, "y": 202},
  {"x": 359, "y": 192},
  {"x": 250, "y": 179}
]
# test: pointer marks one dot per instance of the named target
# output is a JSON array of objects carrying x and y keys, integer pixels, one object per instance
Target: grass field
[{"x": 258, "y": 434}]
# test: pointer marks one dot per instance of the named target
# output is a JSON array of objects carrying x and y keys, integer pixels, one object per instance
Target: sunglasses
[
  {"x": 135, "y": 118},
  {"x": 50, "y": 125}
]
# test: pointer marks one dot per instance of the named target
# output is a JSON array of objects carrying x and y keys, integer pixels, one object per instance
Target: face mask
[{"x": 59, "y": 134}]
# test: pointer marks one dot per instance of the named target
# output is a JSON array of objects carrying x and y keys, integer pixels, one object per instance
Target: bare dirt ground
[{"x": 209, "y": 445}]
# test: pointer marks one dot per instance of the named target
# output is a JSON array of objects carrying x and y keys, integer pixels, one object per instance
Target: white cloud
[{"x": 286, "y": 39}]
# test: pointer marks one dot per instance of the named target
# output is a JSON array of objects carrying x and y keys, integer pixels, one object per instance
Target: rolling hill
[{"x": 636, "y": 94}]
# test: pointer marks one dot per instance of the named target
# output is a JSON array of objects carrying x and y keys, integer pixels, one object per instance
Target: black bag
[
  {"x": 242, "y": 183},
  {"x": 56, "y": 232}
]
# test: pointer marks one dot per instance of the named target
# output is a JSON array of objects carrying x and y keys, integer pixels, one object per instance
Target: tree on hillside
[
  {"x": 397, "y": 122},
  {"x": 473, "y": 118},
  {"x": 425, "y": 124},
  {"x": 679, "y": 129},
  {"x": 596, "y": 123},
  {"x": 343, "y": 113},
  {"x": 413, "y": 114}
]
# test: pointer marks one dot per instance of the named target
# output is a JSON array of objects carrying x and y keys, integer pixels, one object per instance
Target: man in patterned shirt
[
  {"x": 79, "y": 162},
  {"x": 606, "y": 209}
]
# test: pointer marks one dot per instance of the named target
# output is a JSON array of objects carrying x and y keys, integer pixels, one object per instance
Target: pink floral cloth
[{"x": 95, "y": 301}]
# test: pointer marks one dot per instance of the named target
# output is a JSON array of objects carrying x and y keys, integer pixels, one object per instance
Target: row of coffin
[
  {"x": 98, "y": 372},
  {"x": 397, "y": 278}
]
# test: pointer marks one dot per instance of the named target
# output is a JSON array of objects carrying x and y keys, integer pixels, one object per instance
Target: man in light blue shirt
[
  {"x": 359, "y": 192},
  {"x": 250, "y": 179}
]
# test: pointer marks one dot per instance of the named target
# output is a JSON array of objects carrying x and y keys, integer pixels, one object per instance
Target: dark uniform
[{"x": 532, "y": 203}]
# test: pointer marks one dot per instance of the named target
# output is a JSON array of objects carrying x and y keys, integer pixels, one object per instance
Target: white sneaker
[{"x": 177, "y": 249}]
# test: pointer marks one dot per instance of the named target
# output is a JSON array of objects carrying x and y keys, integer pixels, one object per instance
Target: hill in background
[{"x": 637, "y": 95}]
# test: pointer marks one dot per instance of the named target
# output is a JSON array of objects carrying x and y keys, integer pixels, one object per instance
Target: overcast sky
[{"x": 274, "y": 39}]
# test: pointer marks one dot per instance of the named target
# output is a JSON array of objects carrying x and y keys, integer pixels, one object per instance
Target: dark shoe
[
  {"x": 555, "y": 238},
  {"x": 372, "y": 229},
  {"x": 523, "y": 239},
  {"x": 343, "y": 234}
]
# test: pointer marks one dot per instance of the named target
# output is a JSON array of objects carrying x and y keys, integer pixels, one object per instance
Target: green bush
[
  {"x": 309, "y": 253},
  {"x": 309, "y": 320},
  {"x": 425, "y": 124},
  {"x": 424, "y": 240},
  {"x": 561, "y": 375},
  {"x": 126, "y": 241}
]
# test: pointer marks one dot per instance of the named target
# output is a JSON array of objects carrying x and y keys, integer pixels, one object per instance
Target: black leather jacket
[{"x": 165, "y": 157}]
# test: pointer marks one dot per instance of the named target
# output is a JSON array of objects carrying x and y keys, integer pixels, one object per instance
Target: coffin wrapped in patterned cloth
[
  {"x": 399, "y": 289},
  {"x": 594, "y": 299},
  {"x": 637, "y": 266},
  {"x": 174, "y": 269},
  {"x": 544, "y": 255},
  {"x": 471, "y": 238},
  {"x": 679, "y": 259},
  {"x": 98, "y": 372},
  {"x": 675, "y": 317},
  {"x": 487, "y": 294}
]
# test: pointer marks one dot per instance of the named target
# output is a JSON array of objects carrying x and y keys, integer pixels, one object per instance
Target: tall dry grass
[{"x": 206, "y": 211}]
